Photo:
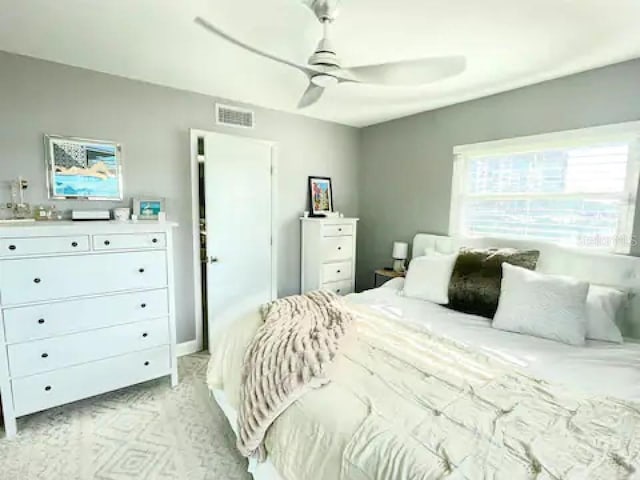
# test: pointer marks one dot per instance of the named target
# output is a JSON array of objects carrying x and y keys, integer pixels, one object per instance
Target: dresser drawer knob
[
  {"x": 41, "y": 321},
  {"x": 143, "y": 305},
  {"x": 146, "y": 364},
  {"x": 339, "y": 229},
  {"x": 107, "y": 242},
  {"x": 338, "y": 291},
  {"x": 155, "y": 240},
  {"x": 339, "y": 248},
  {"x": 44, "y": 355},
  {"x": 145, "y": 335},
  {"x": 74, "y": 244},
  {"x": 47, "y": 388},
  {"x": 141, "y": 270},
  {"x": 36, "y": 280},
  {"x": 338, "y": 271},
  {"x": 12, "y": 247}
]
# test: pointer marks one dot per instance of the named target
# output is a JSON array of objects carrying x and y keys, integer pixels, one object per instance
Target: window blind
[{"x": 582, "y": 194}]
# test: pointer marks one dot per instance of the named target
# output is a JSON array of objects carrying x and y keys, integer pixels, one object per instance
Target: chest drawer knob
[
  {"x": 339, "y": 229},
  {"x": 146, "y": 364},
  {"x": 339, "y": 248},
  {"x": 107, "y": 242},
  {"x": 41, "y": 321},
  {"x": 12, "y": 247},
  {"x": 338, "y": 271},
  {"x": 74, "y": 244},
  {"x": 44, "y": 355},
  {"x": 338, "y": 291},
  {"x": 36, "y": 280},
  {"x": 143, "y": 305},
  {"x": 145, "y": 335},
  {"x": 141, "y": 270},
  {"x": 154, "y": 240},
  {"x": 47, "y": 388}
]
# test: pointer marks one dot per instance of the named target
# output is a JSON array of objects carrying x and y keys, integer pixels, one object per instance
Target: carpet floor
[{"x": 148, "y": 431}]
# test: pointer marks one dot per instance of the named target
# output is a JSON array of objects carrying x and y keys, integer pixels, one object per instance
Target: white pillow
[
  {"x": 428, "y": 278},
  {"x": 394, "y": 284},
  {"x": 603, "y": 305},
  {"x": 546, "y": 306}
]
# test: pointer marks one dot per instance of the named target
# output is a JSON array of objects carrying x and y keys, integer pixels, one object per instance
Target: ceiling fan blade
[
  {"x": 310, "y": 96},
  {"x": 408, "y": 72},
  {"x": 215, "y": 30}
]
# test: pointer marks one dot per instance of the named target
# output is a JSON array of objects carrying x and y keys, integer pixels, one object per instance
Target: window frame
[{"x": 622, "y": 132}]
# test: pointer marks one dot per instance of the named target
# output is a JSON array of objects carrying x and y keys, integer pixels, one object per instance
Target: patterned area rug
[{"x": 147, "y": 431}]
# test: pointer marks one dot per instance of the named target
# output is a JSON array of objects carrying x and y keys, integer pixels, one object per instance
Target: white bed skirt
[{"x": 259, "y": 470}]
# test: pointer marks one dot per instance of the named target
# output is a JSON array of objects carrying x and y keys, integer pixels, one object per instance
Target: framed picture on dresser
[
  {"x": 320, "y": 196},
  {"x": 148, "y": 208}
]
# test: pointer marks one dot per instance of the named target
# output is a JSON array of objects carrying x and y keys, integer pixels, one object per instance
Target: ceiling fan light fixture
[{"x": 324, "y": 80}]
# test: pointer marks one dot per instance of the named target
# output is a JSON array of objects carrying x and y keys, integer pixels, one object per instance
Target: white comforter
[
  {"x": 398, "y": 407},
  {"x": 599, "y": 367}
]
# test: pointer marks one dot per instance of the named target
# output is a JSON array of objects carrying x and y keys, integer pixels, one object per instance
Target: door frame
[{"x": 196, "y": 345}]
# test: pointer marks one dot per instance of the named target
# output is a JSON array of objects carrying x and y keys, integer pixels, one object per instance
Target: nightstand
[{"x": 387, "y": 274}]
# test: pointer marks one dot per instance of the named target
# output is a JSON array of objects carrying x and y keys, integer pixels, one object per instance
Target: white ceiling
[{"x": 508, "y": 44}]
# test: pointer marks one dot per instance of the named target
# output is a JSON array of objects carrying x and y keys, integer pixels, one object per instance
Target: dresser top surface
[
  {"x": 331, "y": 220},
  {"x": 69, "y": 227}
]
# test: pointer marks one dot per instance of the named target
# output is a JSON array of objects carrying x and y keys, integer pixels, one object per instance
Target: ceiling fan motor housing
[{"x": 325, "y": 55}]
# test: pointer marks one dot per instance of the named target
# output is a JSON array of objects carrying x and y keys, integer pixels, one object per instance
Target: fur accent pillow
[{"x": 475, "y": 282}]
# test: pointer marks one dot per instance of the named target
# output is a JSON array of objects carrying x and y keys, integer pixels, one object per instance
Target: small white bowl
[{"x": 121, "y": 214}]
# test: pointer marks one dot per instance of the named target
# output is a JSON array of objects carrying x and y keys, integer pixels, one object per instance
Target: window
[{"x": 576, "y": 188}]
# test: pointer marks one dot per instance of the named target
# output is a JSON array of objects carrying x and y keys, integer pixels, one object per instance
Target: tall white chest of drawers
[
  {"x": 86, "y": 308},
  {"x": 328, "y": 254}
]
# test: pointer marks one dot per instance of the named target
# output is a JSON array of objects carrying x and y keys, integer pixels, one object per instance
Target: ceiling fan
[{"x": 324, "y": 69}]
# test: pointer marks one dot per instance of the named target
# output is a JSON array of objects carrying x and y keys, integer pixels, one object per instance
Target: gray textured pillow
[{"x": 475, "y": 282}]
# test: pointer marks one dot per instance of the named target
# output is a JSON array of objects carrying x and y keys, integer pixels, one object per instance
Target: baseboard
[{"x": 187, "y": 348}]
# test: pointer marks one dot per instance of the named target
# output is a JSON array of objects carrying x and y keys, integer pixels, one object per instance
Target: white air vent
[{"x": 234, "y": 116}]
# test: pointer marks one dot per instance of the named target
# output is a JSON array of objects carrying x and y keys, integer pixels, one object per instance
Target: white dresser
[
  {"x": 329, "y": 254},
  {"x": 86, "y": 308}
]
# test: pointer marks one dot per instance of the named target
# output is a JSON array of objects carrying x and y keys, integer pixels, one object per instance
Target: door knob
[{"x": 213, "y": 259}]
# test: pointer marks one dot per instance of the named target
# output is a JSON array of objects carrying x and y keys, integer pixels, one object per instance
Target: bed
[{"x": 374, "y": 392}]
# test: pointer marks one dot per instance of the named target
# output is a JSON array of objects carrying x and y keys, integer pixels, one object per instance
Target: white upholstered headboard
[{"x": 621, "y": 271}]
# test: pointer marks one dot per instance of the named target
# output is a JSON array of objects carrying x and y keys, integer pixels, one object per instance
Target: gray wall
[
  {"x": 152, "y": 123},
  {"x": 406, "y": 164}
]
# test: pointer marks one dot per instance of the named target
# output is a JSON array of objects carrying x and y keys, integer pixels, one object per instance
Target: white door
[{"x": 238, "y": 196}]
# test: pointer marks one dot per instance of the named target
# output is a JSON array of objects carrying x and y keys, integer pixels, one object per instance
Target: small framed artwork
[
  {"x": 147, "y": 208},
  {"x": 320, "y": 196}
]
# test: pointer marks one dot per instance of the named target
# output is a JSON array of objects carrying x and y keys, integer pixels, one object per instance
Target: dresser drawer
[
  {"x": 341, "y": 288},
  {"x": 41, "y": 279},
  {"x": 337, "y": 230},
  {"x": 39, "y": 392},
  {"x": 17, "y": 247},
  {"x": 129, "y": 241},
  {"x": 23, "y": 324},
  {"x": 334, "y": 272},
  {"x": 58, "y": 352},
  {"x": 337, "y": 248}
]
